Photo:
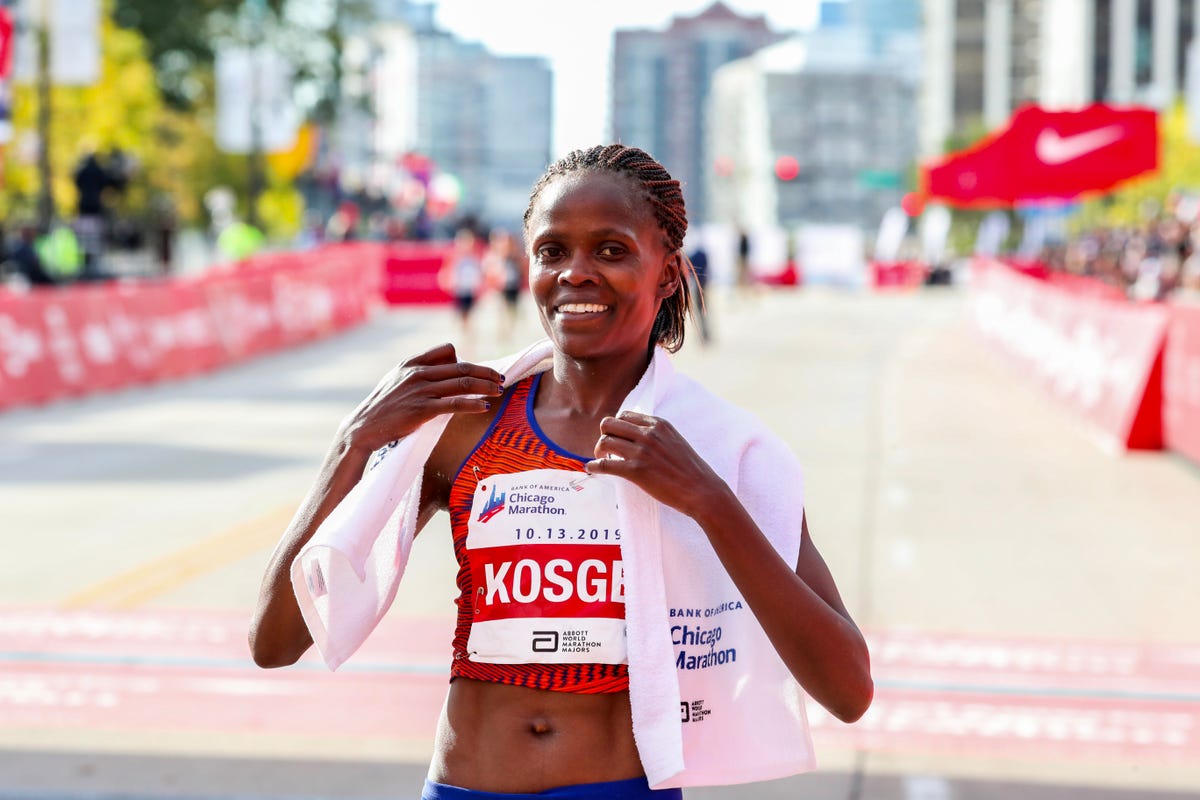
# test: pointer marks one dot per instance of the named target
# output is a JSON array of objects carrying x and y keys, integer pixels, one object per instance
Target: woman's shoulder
[{"x": 463, "y": 432}]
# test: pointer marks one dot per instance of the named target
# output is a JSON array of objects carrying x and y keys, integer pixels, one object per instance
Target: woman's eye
[
  {"x": 549, "y": 253},
  {"x": 612, "y": 251}
]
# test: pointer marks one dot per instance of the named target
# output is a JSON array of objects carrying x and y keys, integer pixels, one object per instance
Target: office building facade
[
  {"x": 985, "y": 58},
  {"x": 828, "y": 107},
  {"x": 660, "y": 88}
]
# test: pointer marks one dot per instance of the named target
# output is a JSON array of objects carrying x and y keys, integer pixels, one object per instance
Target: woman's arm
[
  {"x": 416, "y": 391},
  {"x": 278, "y": 635},
  {"x": 799, "y": 609}
]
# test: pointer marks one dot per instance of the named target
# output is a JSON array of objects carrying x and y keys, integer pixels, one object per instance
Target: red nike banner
[
  {"x": 6, "y": 42},
  {"x": 1049, "y": 155}
]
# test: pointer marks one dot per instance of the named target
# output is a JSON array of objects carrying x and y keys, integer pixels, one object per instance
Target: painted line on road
[
  {"x": 161, "y": 575},
  {"x": 937, "y": 687},
  {"x": 192, "y": 662}
]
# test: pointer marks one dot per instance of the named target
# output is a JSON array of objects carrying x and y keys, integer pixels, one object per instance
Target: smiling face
[{"x": 599, "y": 264}]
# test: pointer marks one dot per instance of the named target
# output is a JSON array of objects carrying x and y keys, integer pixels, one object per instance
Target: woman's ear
[{"x": 672, "y": 275}]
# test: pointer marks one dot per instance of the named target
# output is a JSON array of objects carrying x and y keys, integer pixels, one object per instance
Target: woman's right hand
[{"x": 417, "y": 390}]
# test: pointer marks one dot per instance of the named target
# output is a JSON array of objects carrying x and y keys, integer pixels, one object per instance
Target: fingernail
[
  {"x": 502, "y": 379},
  {"x": 487, "y": 405}
]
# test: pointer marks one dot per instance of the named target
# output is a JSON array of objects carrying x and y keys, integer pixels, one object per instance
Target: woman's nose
[{"x": 577, "y": 271}]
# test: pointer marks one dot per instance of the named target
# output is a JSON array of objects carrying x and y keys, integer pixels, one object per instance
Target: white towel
[{"x": 712, "y": 701}]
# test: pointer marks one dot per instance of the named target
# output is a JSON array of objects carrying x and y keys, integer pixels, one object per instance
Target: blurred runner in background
[
  {"x": 505, "y": 266},
  {"x": 462, "y": 277}
]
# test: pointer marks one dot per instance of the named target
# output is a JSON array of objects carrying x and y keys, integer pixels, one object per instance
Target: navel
[{"x": 540, "y": 726}]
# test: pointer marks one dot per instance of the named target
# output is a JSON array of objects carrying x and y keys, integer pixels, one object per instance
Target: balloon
[{"x": 913, "y": 204}]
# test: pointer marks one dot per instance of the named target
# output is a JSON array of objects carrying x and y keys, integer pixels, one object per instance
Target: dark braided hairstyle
[{"x": 664, "y": 195}]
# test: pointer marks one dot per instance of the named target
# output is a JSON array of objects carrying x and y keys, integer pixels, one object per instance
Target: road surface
[{"x": 1029, "y": 597}]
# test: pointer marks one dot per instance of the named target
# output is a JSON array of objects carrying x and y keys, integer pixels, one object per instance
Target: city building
[
  {"x": 818, "y": 128},
  {"x": 660, "y": 87},
  {"x": 885, "y": 19},
  {"x": 984, "y": 58},
  {"x": 409, "y": 87}
]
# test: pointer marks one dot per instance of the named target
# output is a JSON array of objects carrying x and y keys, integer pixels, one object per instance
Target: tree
[
  {"x": 183, "y": 39},
  {"x": 179, "y": 40},
  {"x": 174, "y": 154},
  {"x": 1179, "y": 170}
]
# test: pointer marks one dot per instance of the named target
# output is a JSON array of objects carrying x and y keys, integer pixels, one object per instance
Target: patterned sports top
[{"x": 530, "y": 579}]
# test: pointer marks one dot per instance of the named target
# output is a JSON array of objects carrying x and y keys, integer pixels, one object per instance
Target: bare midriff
[{"x": 498, "y": 738}]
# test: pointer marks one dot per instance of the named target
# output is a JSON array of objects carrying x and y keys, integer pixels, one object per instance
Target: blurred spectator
[
  {"x": 377, "y": 226},
  {"x": 1149, "y": 262},
  {"x": 343, "y": 223},
  {"x": 395, "y": 230},
  {"x": 698, "y": 280},
  {"x": 165, "y": 225},
  {"x": 60, "y": 253},
  {"x": 312, "y": 232},
  {"x": 92, "y": 181},
  {"x": 240, "y": 240},
  {"x": 743, "y": 277},
  {"x": 25, "y": 261}
]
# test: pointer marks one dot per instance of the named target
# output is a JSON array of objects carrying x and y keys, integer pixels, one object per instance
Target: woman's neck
[{"x": 592, "y": 387}]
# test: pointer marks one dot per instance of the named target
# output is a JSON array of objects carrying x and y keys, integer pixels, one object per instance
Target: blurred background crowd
[{"x": 140, "y": 138}]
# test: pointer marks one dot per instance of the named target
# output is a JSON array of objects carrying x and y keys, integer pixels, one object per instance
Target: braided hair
[{"x": 664, "y": 195}]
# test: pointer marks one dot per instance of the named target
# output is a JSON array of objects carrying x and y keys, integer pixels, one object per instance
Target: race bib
[{"x": 545, "y": 556}]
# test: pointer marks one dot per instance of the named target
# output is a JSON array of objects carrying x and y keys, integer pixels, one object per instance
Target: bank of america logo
[{"x": 493, "y": 506}]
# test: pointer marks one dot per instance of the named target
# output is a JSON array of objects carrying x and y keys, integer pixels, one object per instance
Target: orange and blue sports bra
[{"x": 541, "y": 586}]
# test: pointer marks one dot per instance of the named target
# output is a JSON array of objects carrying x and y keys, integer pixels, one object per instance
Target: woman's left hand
[{"x": 650, "y": 453}]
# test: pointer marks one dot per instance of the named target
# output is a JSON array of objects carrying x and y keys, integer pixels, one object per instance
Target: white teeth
[{"x": 581, "y": 308}]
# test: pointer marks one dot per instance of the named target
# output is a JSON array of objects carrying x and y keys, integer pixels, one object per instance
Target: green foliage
[
  {"x": 178, "y": 42},
  {"x": 1179, "y": 171},
  {"x": 156, "y": 101},
  {"x": 173, "y": 152}
]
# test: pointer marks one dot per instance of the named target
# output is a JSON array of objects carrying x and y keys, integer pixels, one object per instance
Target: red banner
[
  {"x": 1181, "y": 382},
  {"x": 6, "y": 43},
  {"x": 410, "y": 272},
  {"x": 898, "y": 274},
  {"x": 1049, "y": 155},
  {"x": 1101, "y": 357},
  {"x": 73, "y": 340}
]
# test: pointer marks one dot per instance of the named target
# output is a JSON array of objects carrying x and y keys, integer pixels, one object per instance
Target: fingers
[
  {"x": 442, "y": 354},
  {"x": 626, "y": 434},
  {"x": 459, "y": 404},
  {"x": 638, "y": 418},
  {"x": 465, "y": 385},
  {"x": 459, "y": 369},
  {"x": 627, "y": 425}
]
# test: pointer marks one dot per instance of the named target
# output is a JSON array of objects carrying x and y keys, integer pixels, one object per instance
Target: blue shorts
[{"x": 632, "y": 789}]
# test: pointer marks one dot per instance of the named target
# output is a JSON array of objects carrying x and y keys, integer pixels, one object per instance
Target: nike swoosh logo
[{"x": 1053, "y": 148}]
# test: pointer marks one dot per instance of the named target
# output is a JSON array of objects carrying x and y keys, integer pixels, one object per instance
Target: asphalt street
[{"x": 1029, "y": 596}]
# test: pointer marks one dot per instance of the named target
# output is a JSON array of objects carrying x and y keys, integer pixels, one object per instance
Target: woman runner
[{"x": 604, "y": 231}]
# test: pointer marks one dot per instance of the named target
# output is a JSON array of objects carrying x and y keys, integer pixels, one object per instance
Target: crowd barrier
[
  {"x": 898, "y": 274},
  {"x": 1076, "y": 284},
  {"x": 1101, "y": 356},
  {"x": 67, "y": 341},
  {"x": 1181, "y": 382},
  {"x": 410, "y": 272}
]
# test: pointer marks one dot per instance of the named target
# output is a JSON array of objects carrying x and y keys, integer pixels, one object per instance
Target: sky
[{"x": 577, "y": 37}]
